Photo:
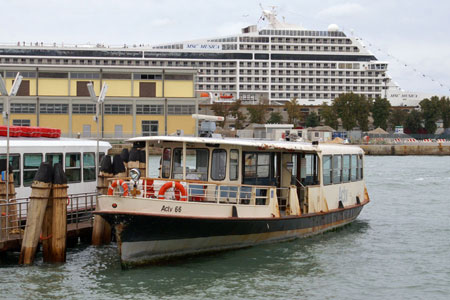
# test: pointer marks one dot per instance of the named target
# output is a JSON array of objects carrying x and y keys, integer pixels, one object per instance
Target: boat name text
[{"x": 167, "y": 208}]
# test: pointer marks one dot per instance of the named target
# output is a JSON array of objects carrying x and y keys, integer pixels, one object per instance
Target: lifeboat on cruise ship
[
  {"x": 223, "y": 96},
  {"x": 30, "y": 131}
]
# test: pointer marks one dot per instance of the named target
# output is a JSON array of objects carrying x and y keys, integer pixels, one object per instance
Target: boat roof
[
  {"x": 256, "y": 143},
  {"x": 52, "y": 142}
]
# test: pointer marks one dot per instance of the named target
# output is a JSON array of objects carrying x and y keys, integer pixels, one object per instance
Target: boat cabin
[{"x": 305, "y": 177}]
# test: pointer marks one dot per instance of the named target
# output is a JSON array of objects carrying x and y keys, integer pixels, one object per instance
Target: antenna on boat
[{"x": 208, "y": 125}]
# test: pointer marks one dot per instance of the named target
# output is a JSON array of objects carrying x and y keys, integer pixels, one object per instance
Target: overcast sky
[{"x": 414, "y": 32}]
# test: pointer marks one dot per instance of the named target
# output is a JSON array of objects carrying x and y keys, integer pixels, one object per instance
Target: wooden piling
[
  {"x": 40, "y": 191},
  {"x": 47, "y": 230},
  {"x": 101, "y": 231},
  {"x": 55, "y": 239}
]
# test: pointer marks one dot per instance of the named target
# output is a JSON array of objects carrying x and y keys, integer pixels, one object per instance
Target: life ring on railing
[
  {"x": 114, "y": 184},
  {"x": 180, "y": 191}
]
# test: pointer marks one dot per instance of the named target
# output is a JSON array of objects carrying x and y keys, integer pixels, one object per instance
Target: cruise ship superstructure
[{"x": 278, "y": 63}]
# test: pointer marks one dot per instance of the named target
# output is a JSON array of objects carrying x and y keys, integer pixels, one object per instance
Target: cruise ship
[{"x": 278, "y": 62}]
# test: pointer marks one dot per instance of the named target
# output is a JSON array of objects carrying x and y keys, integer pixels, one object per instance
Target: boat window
[
  {"x": 354, "y": 167},
  {"x": 219, "y": 164},
  {"x": 257, "y": 168},
  {"x": 31, "y": 163},
  {"x": 196, "y": 164},
  {"x": 360, "y": 167},
  {"x": 234, "y": 164},
  {"x": 309, "y": 173},
  {"x": 54, "y": 158},
  {"x": 346, "y": 168},
  {"x": 89, "y": 166},
  {"x": 337, "y": 168},
  {"x": 327, "y": 169},
  {"x": 14, "y": 161},
  {"x": 73, "y": 167},
  {"x": 165, "y": 171}
]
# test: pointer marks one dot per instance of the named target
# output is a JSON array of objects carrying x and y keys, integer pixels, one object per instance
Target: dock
[{"x": 80, "y": 221}]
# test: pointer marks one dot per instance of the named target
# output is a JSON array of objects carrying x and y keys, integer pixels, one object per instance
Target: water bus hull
[{"x": 145, "y": 238}]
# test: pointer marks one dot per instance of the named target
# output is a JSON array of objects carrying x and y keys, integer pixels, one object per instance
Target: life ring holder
[
  {"x": 114, "y": 184},
  {"x": 177, "y": 187}
]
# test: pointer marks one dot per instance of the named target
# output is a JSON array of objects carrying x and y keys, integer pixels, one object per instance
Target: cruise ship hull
[{"x": 147, "y": 238}]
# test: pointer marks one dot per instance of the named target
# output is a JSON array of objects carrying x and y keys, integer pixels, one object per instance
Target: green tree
[
  {"x": 312, "y": 120},
  {"x": 431, "y": 113},
  {"x": 329, "y": 116},
  {"x": 275, "y": 118},
  {"x": 413, "y": 122},
  {"x": 258, "y": 112},
  {"x": 221, "y": 109},
  {"x": 380, "y": 112},
  {"x": 445, "y": 111},
  {"x": 343, "y": 105},
  {"x": 397, "y": 117},
  {"x": 293, "y": 111},
  {"x": 361, "y": 107},
  {"x": 236, "y": 112}
]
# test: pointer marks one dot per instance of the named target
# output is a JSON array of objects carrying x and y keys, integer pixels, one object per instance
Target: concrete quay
[{"x": 408, "y": 149}]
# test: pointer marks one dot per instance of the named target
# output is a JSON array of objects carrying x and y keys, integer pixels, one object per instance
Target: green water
[{"x": 399, "y": 248}]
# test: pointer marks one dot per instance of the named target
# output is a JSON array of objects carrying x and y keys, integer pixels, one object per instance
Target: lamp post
[
  {"x": 12, "y": 93},
  {"x": 98, "y": 102}
]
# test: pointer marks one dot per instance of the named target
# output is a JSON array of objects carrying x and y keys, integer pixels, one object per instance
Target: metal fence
[{"x": 14, "y": 213}]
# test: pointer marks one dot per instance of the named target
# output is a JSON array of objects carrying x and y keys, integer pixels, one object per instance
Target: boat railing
[
  {"x": 201, "y": 191},
  {"x": 283, "y": 198},
  {"x": 14, "y": 213}
]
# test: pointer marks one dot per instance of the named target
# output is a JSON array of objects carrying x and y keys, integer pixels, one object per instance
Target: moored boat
[{"x": 215, "y": 194}]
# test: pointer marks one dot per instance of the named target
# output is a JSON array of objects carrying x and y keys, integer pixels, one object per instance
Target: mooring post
[
  {"x": 59, "y": 215},
  {"x": 47, "y": 230},
  {"x": 101, "y": 231},
  {"x": 40, "y": 191}
]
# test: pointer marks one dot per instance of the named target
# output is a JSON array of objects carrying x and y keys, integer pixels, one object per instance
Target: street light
[
  {"x": 12, "y": 93},
  {"x": 98, "y": 102}
]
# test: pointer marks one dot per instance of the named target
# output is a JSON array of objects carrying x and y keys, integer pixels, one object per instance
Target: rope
[{"x": 45, "y": 238}]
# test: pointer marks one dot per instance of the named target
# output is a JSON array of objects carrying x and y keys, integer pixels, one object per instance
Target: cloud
[
  {"x": 341, "y": 10},
  {"x": 161, "y": 22}
]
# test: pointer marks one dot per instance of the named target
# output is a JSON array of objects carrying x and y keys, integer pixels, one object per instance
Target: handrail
[
  {"x": 203, "y": 191},
  {"x": 13, "y": 214}
]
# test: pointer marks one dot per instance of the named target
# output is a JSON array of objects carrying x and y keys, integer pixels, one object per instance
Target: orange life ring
[
  {"x": 177, "y": 187},
  {"x": 114, "y": 184}
]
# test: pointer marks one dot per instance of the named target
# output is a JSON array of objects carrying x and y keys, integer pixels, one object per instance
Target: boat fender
[
  {"x": 121, "y": 183},
  {"x": 177, "y": 187}
]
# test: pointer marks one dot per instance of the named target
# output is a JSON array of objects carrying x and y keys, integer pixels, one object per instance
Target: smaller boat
[{"x": 215, "y": 194}]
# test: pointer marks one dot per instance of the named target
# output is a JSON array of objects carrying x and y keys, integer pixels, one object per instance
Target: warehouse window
[
  {"x": 118, "y": 109},
  {"x": 47, "y": 108},
  {"x": 83, "y": 108},
  {"x": 146, "y": 109},
  {"x": 23, "y": 108},
  {"x": 181, "y": 109},
  {"x": 149, "y": 128},
  {"x": 20, "y": 122}
]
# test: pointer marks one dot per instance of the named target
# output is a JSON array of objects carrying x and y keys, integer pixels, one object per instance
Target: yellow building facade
[{"x": 139, "y": 101}]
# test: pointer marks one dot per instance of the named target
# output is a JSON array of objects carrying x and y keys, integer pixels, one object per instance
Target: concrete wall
[{"x": 435, "y": 149}]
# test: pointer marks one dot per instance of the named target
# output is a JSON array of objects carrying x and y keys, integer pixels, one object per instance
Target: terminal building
[{"x": 139, "y": 101}]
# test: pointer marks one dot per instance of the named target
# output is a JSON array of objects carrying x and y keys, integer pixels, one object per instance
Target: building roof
[{"x": 321, "y": 128}]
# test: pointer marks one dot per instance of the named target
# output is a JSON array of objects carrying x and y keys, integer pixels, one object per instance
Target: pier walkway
[{"x": 13, "y": 220}]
